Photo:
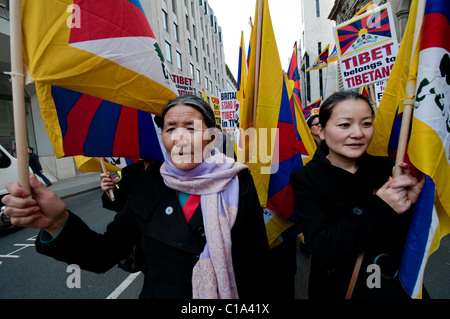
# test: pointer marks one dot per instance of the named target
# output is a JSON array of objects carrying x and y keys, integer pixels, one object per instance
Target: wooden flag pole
[
  {"x": 17, "y": 80},
  {"x": 258, "y": 58},
  {"x": 111, "y": 192},
  {"x": 410, "y": 92}
]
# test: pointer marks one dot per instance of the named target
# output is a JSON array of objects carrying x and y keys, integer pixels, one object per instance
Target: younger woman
[{"x": 348, "y": 205}]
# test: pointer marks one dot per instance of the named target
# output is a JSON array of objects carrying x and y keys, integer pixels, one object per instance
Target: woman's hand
[
  {"x": 107, "y": 183},
  {"x": 402, "y": 191},
  {"x": 40, "y": 209}
]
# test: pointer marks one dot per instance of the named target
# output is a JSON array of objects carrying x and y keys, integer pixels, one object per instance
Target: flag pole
[
  {"x": 17, "y": 80},
  {"x": 410, "y": 92},
  {"x": 258, "y": 59},
  {"x": 110, "y": 193}
]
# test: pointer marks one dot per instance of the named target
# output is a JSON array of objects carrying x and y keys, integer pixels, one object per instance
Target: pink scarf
[{"x": 215, "y": 179}]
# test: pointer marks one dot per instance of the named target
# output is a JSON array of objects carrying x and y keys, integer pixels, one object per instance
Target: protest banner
[
  {"x": 183, "y": 84},
  {"x": 216, "y": 108},
  {"x": 367, "y": 47},
  {"x": 228, "y": 107}
]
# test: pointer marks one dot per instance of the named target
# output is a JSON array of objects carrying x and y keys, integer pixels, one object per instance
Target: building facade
[
  {"x": 316, "y": 34},
  {"x": 190, "y": 39}
]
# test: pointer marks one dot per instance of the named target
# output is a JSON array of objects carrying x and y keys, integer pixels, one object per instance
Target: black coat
[
  {"x": 171, "y": 246},
  {"x": 340, "y": 217},
  {"x": 130, "y": 174}
]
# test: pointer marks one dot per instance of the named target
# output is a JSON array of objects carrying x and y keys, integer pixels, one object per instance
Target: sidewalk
[{"x": 82, "y": 183}]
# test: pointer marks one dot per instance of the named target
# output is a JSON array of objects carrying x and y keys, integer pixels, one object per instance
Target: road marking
[{"x": 118, "y": 291}]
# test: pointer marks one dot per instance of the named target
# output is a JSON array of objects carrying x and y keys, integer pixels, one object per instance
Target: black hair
[
  {"x": 327, "y": 107},
  {"x": 311, "y": 120},
  {"x": 194, "y": 101}
]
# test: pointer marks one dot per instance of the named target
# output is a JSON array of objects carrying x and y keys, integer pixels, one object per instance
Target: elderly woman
[{"x": 197, "y": 217}]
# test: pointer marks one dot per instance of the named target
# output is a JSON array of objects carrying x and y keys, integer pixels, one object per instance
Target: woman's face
[
  {"x": 348, "y": 132},
  {"x": 183, "y": 136}
]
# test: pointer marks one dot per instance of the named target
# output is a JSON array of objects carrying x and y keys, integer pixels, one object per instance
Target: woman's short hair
[
  {"x": 326, "y": 109},
  {"x": 194, "y": 101}
]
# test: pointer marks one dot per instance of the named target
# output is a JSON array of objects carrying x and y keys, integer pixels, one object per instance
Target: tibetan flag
[
  {"x": 429, "y": 146},
  {"x": 288, "y": 157},
  {"x": 302, "y": 130},
  {"x": 81, "y": 124},
  {"x": 363, "y": 31},
  {"x": 205, "y": 98},
  {"x": 294, "y": 75},
  {"x": 312, "y": 109},
  {"x": 321, "y": 62},
  {"x": 103, "y": 48},
  {"x": 333, "y": 56},
  {"x": 258, "y": 121},
  {"x": 364, "y": 9},
  {"x": 242, "y": 73}
]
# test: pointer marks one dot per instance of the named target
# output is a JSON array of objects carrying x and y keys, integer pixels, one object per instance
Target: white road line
[{"x": 118, "y": 291}]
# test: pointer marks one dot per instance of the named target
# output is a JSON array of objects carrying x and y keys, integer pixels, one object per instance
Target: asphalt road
[{"x": 25, "y": 274}]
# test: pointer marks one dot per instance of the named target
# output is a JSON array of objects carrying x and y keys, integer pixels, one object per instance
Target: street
[{"x": 25, "y": 274}]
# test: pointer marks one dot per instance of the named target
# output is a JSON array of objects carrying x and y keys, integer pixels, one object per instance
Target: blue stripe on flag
[
  {"x": 280, "y": 179},
  {"x": 64, "y": 100},
  {"x": 416, "y": 247},
  {"x": 102, "y": 130},
  {"x": 148, "y": 138},
  {"x": 137, "y": 4}
]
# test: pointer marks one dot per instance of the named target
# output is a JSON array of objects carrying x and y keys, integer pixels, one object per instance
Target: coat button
[
  {"x": 169, "y": 210},
  {"x": 357, "y": 211}
]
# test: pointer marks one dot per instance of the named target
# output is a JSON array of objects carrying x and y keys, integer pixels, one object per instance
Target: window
[
  {"x": 179, "y": 62},
  {"x": 196, "y": 54},
  {"x": 206, "y": 83},
  {"x": 174, "y": 6},
  {"x": 164, "y": 17},
  {"x": 198, "y": 76},
  {"x": 317, "y": 9},
  {"x": 187, "y": 22},
  {"x": 168, "y": 52},
  {"x": 175, "y": 32},
  {"x": 190, "y": 47},
  {"x": 191, "y": 70},
  {"x": 205, "y": 65},
  {"x": 194, "y": 31}
]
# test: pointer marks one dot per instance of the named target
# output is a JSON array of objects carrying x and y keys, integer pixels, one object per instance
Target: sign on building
[
  {"x": 367, "y": 47},
  {"x": 183, "y": 84},
  {"x": 228, "y": 109}
]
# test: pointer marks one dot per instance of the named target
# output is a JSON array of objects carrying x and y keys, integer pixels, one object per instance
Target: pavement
[{"x": 81, "y": 183}]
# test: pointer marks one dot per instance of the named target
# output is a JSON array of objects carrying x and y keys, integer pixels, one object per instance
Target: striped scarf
[{"x": 215, "y": 179}]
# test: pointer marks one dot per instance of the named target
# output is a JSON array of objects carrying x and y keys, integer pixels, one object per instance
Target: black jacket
[
  {"x": 171, "y": 246},
  {"x": 340, "y": 217},
  {"x": 34, "y": 163},
  {"x": 130, "y": 174}
]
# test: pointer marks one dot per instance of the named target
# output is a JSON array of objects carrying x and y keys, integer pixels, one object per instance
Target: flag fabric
[
  {"x": 92, "y": 164},
  {"x": 302, "y": 130},
  {"x": 364, "y": 9},
  {"x": 369, "y": 29},
  {"x": 294, "y": 75},
  {"x": 99, "y": 75},
  {"x": 333, "y": 56},
  {"x": 322, "y": 61},
  {"x": 242, "y": 73},
  {"x": 267, "y": 108},
  {"x": 270, "y": 125},
  {"x": 81, "y": 124},
  {"x": 205, "y": 98},
  {"x": 312, "y": 109},
  {"x": 429, "y": 146},
  {"x": 101, "y": 48}
]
